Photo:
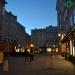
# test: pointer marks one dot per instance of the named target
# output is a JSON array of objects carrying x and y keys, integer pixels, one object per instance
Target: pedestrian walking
[
  {"x": 31, "y": 55},
  {"x": 26, "y": 55}
]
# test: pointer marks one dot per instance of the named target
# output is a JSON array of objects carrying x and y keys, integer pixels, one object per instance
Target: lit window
[
  {"x": 17, "y": 50},
  {"x": 56, "y": 49},
  {"x": 48, "y": 49}
]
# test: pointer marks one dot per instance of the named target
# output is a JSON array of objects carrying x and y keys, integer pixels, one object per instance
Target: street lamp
[
  {"x": 59, "y": 35},
  {"x": 59, "y": 38},
  {"x": 31, "y": 47}
]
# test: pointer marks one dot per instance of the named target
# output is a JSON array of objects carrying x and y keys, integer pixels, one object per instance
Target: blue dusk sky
[{"x": 33, "y": 13}]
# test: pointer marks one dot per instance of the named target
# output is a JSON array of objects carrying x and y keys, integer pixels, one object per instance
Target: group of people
[{"x": 28, "y": 55}]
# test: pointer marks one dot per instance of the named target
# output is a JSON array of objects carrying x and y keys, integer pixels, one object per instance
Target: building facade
[
  {"x": 2, "y": 5},
  {"x": 12, "y": 33},
  {"x": 28, "y": 41},
  {"x": 65, "y": 17},
  {"x": 44, "y": 38},
  {"x": 66, "y": 24},
  {"x": 51, "y": 35},
  {"x": 38, "y": 38}
]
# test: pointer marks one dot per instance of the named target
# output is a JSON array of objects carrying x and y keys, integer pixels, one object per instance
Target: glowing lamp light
[
  {"x": 28, "y": 50},
  {"x": 73, "y": 52},
  {"x": 56, "y": 49},
  {"x": 48, "y": 49},
  {"x": 31, "y": 45},
  {"x": 59, "y": 34},
  {"x": 17, "y": 50},
  {"x": 22, "y": 49},
  {"x": 15, "y": 47}
]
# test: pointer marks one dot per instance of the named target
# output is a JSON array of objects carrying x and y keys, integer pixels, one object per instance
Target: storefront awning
[{"x": 69, "y": 33}]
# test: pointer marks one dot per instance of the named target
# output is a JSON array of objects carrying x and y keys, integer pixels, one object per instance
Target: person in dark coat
[
  {"x": 26, "y": 55},
  {"x": 31, "y": 55}
]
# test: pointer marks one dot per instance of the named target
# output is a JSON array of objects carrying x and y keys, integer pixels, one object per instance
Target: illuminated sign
[{"x": 69, "y": 4}]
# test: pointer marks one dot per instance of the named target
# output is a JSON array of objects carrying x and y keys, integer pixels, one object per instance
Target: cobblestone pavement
[{"x": 42, "y": 65}]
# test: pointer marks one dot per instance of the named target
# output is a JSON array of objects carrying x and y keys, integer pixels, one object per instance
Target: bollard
[{"x": 5, "y": 65}]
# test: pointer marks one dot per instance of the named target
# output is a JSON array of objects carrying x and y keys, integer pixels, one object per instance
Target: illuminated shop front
[
  {"x": 18, "y": 48},
  {"x": 69, "y": 40},
  {"x": 53, "y": 48}
]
